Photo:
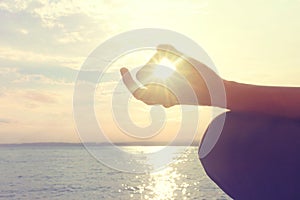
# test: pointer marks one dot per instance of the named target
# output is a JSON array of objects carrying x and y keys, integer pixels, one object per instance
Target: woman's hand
[
  {"x": 151, "y": 94},
  {"x": 194, "y": 72}
]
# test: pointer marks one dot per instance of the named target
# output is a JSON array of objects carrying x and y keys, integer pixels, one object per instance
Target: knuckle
[
  {"x": 167, "y": 105},
  {"x": 137, "y": 95},
  {"x": 149, "y": 103}
]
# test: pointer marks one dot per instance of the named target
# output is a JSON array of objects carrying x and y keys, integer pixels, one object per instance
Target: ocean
[{"x": 70, "y": 172}]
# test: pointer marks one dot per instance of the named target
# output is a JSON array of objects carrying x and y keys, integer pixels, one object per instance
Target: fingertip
[
  {"x": 166, "y": 47},
  {"x": 167, "y": 106},
  {"x": 163, "y": 46},
  {"x": 123, "y": 71}
]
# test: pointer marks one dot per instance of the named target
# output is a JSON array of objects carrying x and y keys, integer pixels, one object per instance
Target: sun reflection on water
[
  {"x": 184, "y": 178},
  {"x": 168, "y": 183},
  {"x": 164, "y": 183}
]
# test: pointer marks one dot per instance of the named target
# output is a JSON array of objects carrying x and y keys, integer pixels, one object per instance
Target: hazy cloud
[
  {"x": 5, "y": 121},
  {"x": 39, "y": 97}
]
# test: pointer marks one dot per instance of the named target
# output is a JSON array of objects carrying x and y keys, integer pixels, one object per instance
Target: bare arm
[{"x": 279, "y": 101}]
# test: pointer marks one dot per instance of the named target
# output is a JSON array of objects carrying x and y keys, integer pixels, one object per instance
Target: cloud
[
  {"x": 5, "y": 121},
  {"x": 25, "y": 96},
  {"x": 41, "y": 80},
  {"x": 18, "y": 74},
  {"x": 39, "y": 97},
  {"x": 37, "y": 77},
  {"x": 10, "y": 54},
  {"x": 74, "y": 27},
  {"x": 55, "y": 27}
]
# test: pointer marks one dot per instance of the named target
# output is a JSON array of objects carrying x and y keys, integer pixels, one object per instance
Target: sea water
[{"x": 70, "y": 172}]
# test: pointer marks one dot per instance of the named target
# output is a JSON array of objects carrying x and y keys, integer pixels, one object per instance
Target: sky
[{"x": 44, "y": 43}]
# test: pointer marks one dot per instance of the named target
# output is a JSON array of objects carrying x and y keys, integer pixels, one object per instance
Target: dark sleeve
[{"x": 256, "y": 157}]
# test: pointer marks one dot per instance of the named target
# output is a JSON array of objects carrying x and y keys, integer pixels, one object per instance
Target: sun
[{"x": 164, "y": 69}]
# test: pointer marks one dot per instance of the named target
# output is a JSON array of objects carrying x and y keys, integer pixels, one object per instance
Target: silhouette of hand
[
  {"x": 192, "y": 71},
  {"x": 151, "y": 94}
]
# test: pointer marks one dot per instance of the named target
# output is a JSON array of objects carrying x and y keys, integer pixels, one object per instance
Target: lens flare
[{"x": 165, "y": 69}]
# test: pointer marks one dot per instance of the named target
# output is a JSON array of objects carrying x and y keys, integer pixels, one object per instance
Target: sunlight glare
[
  {"x": 165, "y": 70},
  {"x": 164, "y": 183}
]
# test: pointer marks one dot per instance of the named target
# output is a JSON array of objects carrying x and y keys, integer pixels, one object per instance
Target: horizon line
[{"x": 100, "y": 144}]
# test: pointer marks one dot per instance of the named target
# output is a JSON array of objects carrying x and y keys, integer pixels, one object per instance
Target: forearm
[{"x": 278, "y": 101}]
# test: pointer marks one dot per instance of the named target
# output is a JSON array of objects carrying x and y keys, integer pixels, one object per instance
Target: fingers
[
  {"x": 152, "y": 94},
  {"x": 164, "y": 51},
  {"x": 169, "y": 51},
  {"x": 167, "y": 47},
  {"x": 128, "y": 80}
]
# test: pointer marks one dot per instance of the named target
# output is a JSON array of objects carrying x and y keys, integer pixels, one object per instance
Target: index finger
[{"x": 164, "y": 51}]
